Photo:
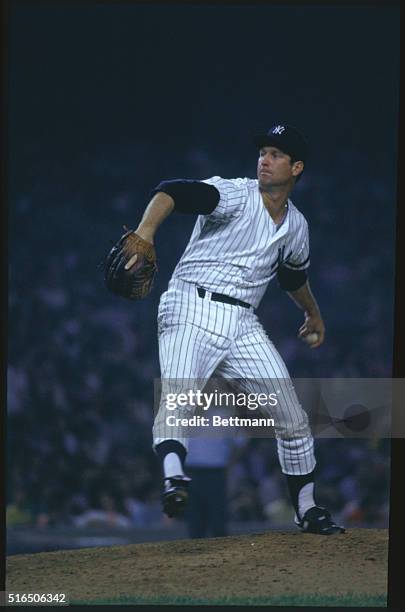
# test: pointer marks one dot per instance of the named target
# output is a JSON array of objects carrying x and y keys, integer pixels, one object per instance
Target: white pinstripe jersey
[{"x": 237, "y": 249}]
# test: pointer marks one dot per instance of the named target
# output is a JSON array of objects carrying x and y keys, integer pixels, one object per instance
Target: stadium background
[{"x": 105, "y": 101}]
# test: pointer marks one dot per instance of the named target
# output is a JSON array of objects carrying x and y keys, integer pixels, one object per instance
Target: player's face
[{"x": 274, "y": 168}]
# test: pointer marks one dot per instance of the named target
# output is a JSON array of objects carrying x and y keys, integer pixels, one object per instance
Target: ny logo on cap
[{"x": 278, "y": 129}]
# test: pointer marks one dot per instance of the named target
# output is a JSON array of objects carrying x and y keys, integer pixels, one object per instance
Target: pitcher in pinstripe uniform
[{"x": 247, "y": 233}]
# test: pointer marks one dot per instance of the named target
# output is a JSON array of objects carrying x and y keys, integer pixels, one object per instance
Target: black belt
[{"x": 219, "y": 297}]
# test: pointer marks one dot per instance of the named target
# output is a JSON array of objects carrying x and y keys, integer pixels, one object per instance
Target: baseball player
[{"x": 247, "y": 233}]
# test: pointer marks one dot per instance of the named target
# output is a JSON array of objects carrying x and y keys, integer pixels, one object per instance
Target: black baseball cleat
[
  {"x": 318, "y": 520},
  {"x": 175, "y": 495}
]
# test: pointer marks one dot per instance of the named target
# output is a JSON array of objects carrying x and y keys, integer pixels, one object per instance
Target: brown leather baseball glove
[{"x": 136, "y": 282}]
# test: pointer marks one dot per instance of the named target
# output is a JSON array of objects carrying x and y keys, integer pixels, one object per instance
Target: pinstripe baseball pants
[{"x": 200, "y": 338}]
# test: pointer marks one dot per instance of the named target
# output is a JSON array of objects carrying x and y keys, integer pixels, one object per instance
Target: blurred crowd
[{"x": 81, "y": 362}]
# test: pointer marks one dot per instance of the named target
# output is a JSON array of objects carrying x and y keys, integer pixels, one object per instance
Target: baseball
[{"x": 311, "y": 338}]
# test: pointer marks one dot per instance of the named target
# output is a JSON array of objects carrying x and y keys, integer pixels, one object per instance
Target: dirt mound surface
[{"x": 263, "y": 564}]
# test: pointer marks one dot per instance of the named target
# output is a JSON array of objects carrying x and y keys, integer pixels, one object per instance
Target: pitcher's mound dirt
[{"x": 248, "y": 566}]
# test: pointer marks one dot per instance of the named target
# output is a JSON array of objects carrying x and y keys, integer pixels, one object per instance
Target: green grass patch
[{"x": 349, "y": 599}]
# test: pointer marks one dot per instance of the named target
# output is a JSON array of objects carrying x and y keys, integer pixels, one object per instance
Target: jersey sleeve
[
  {"x": 190, "y": 196},
  {"x": 299, "y": 259},
  {"x": 233, "y": 196}
]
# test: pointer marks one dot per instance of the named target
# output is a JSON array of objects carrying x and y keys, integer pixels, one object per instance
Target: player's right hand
[{"x": 130, "y": 266}]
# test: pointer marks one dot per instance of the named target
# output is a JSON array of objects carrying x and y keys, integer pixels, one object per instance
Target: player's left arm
[
  {"x": 305, "y": 299},
  {"x": 293, "y": 278}
]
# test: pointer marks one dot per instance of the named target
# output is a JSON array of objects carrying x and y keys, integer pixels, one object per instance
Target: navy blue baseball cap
[{"x": 286, "y": 138}]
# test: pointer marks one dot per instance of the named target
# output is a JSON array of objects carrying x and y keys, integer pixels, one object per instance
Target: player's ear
[{"x": 297, "y": 168}]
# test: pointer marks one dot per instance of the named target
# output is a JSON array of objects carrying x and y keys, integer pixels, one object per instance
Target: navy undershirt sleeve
[
  {"x": 291, "y": 280},
  {"x": 190, "y": 196}
]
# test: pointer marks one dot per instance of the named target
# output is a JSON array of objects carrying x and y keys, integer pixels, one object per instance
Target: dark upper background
[
  {"x": 84, "y": 78},
  {"x": 107, "y": 100}
]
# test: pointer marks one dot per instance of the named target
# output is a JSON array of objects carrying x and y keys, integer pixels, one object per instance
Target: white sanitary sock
[
  {"x": 172, "y": 465},
  {"x": 306, "y": 498}
]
